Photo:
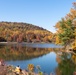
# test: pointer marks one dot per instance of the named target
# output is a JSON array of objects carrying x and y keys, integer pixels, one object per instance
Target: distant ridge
[
  {"x": 28, "y": 26},
  {"x": 18, "y": 32}
]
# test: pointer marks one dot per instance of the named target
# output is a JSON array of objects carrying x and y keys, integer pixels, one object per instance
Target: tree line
[{"x": 23, "y": 32}]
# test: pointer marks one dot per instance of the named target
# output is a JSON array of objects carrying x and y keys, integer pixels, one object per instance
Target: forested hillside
[{"x": 23, "y": 32}]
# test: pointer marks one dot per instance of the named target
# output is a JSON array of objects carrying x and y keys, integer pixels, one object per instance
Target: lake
[{"x": 47, "y": 55}]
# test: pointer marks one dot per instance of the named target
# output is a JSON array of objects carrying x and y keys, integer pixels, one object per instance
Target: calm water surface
[
  {"x": 47, "y": 62},
  {"x": 48, "y": 56}
]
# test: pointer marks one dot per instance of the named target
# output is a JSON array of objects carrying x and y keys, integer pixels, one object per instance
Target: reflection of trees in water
[
  {"x": 66, "y": 66},
  {"x": 74, "y": 58},
  {"x": 66, "y": 62},
  {"x": 19, "y": 52}
]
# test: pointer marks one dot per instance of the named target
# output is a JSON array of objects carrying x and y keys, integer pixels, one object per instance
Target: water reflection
[
  {"x": 19, "y": 52},
  {"x": 66, "y": 66},
  {"x": 50, "y": 59}
]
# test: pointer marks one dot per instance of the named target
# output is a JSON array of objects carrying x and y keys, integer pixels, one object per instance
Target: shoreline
[
  {"x": 8, "y": 42},
  {"x": 18, "y": 42},
  {"x": 11, "y": 70}
]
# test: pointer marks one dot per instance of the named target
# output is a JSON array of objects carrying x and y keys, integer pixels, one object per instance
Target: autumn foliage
[
  {"x": 66, "y": 28},
  {"x": 23, "y": 32}
]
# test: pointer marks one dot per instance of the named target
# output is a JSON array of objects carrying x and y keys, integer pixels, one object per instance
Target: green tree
[
  {"x": 66, "y": 28},
  {"x": 67, "y": 35}
]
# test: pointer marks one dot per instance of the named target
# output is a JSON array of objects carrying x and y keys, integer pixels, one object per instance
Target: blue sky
[{"x": 43, "y": 13}]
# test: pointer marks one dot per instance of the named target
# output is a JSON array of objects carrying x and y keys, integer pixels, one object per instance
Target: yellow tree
[{"x": 66, "y": 27}]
